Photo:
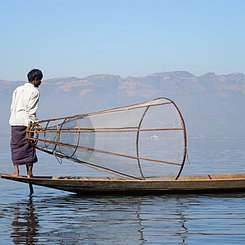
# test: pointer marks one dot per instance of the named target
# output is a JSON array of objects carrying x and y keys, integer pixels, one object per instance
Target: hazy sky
[{"x": 121, "y": 37}]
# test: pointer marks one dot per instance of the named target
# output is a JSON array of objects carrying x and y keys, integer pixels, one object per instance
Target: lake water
[{"x": 57, "y": 217}]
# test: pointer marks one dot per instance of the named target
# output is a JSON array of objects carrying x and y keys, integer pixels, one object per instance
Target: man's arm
[{"x": 33, "y": 106}]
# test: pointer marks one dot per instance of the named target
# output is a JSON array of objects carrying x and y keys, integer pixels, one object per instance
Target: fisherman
[{"x": 23, "y": 112}]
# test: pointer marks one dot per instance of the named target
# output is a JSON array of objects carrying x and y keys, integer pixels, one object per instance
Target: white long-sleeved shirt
[{"x": 24, "y": 105}]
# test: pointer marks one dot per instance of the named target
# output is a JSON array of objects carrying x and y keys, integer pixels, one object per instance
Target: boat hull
[{"x": 114, "y": 185}]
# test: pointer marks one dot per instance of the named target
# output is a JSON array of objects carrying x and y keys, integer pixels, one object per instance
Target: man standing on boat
[{"x": 23, "y": 113}]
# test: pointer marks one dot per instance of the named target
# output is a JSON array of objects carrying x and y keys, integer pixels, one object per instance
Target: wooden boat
[{"x": 116, "y": 185}]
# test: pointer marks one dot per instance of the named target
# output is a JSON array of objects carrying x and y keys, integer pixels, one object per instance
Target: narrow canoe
[{"x": 115, "y": 185}]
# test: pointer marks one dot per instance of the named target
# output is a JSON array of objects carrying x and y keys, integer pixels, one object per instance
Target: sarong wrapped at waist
[{"x": 22, "y": 151}]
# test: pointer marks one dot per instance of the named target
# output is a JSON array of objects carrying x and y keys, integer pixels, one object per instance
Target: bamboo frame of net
[{"x": 59, "y": 130}]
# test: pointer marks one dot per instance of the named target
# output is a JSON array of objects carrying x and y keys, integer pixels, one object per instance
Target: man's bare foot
[
  {"x": 16, "y": 171},
  {"x": 29, "y": 168},
  {"x": 15, "y": 174}
]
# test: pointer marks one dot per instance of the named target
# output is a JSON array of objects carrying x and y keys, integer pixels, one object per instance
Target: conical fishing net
[{"x": 138, "y": 141}]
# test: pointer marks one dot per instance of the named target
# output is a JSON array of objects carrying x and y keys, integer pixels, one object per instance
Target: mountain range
[{"x": 211, "y": 104}]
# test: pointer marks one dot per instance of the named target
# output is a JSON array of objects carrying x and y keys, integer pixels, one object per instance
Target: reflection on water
[
  {"x": 98, "y": 220},
  {"x": 25, "y": 224},
  {"x": 170, "y": 219}
]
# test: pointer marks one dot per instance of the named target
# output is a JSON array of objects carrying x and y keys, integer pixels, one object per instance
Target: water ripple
[{"x": 124, "y": 220}]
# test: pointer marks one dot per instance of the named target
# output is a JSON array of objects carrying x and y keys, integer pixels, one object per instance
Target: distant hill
[{"x": 212, "y": 105}]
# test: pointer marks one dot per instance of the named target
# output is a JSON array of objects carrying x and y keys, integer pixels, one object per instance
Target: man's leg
[
  {"x": 16, "y": 170},
  {"x": 29, "y": 168}
]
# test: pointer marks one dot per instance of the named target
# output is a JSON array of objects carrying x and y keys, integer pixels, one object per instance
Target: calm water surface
[{"x": 57, "y": 217}]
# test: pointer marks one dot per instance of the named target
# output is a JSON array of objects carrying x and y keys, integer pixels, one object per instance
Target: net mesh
[{"x": 138, "y": 141}]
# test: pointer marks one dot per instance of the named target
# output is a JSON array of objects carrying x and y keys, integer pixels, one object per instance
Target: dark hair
[{"x": 34, "y": 74}]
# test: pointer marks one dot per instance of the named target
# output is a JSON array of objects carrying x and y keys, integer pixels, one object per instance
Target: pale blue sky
[{"x": 121, "y": 37}]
